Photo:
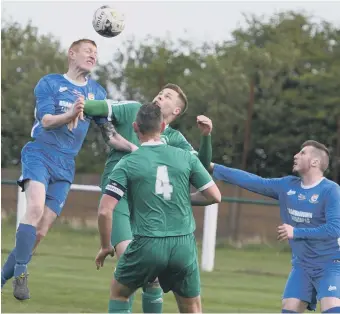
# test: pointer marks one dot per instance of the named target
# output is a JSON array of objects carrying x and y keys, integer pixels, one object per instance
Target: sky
[{"x": 197, "y": 21}]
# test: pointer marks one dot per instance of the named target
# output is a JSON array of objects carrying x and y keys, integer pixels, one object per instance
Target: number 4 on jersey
[{"x": 163, "y": 185}]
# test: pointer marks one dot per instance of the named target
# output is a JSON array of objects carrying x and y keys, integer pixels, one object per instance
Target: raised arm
[
  {"x": 45, "y": 107},
  {"x": 205, "y": 150},
  {"x": 105, "y": 108},
  {"x": 248, "y": 181}
]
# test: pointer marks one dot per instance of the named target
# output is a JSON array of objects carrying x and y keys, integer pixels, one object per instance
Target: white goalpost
[{"x": 209, "y": 226}]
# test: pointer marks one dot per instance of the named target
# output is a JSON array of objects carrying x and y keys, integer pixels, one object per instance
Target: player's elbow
[
  {"x": 104, "y": 211},
  {"x": 213, "y": 194},
  {"x": 46, "y": 121}
]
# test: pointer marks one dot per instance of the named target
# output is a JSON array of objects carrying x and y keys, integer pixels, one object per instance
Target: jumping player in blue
[
  {"x": 310, "y": 212},
  {"x": 48, "y": 163}
]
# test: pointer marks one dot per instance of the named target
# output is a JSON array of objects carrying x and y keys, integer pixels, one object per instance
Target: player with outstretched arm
[
  {"x": 310, "y": 213},
  {"x": 173, "y": 103},
  {"x": 48, "y": 162}
]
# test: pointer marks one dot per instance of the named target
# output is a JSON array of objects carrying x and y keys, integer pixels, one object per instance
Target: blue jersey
[
  {"x": 55, "y": 94},
  {"x": 313, "y": 211}
]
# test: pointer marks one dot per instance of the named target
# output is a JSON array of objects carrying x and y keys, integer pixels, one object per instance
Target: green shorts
[
  {"x": 173, "y": 260},
  {"x": 121, "y": 227}
]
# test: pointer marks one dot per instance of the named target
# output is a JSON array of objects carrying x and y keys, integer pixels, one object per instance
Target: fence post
[
  {"x": 209, "y": 237},
  {"x": 21, "y": 206}
]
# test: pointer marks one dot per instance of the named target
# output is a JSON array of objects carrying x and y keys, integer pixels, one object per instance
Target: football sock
[
  {"x": 287, "y": 311},
  {"x": 152, "y": 300},
  {"x": 116, "y": 306},
  {"x": 25, "y": 240},
  {"x": 333, "y": 310},
  {"x": 7, "y": 271}
]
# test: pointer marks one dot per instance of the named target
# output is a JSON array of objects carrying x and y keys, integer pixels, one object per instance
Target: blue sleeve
[
  {"x": 331, "y": 229},
  {"x": 45, "y": 102},
  {"x": 248, "y": 181}
]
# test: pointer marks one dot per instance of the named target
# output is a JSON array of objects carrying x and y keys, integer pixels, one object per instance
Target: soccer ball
[{"x": 108, "y": 22}]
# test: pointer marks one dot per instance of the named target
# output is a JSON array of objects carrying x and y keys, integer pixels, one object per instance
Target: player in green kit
[
  {"x": 173, "y": 102},
  {"x": 157, "y": 178}
]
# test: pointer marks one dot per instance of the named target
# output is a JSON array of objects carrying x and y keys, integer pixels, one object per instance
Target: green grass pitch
[{"x": 63, "y": 277}]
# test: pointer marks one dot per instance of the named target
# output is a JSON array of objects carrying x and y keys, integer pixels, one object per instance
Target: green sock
[
  {"x": 116, "y": 306},
  {"x": 152, "y": 299},
  {"x": 131, "y": 299}
]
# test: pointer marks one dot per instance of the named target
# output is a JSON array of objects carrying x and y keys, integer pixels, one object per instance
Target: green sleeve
[
  {"x": 119, "y": 174},
  {"x": 116, "y": 111},
  {"x": 205, "y": 151},
  {"x": 121, "y": 112},
  {"x": 199, "y": 177},
  {"x": 96, "y": 108}
]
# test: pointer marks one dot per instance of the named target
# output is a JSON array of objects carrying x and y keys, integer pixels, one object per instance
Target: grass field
[{"x": 63, "y": 277}]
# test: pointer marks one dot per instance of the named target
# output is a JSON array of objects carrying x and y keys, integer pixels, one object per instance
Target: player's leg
[
  {"x": 152, "y": 298},
  {"x": 34, "y": 181},
  {"x": 43, "y": 226},
  {"x": 329, "y": 288},
  {"x": 119, "y": 297},
  {"x": 188, "y": 305},
  {"x": 139, "y": 264},
  {"x": 182, "y": 275},
  {"x": 299, "y": 293},
  {"x": 121, "y": 235},
  {"x": 26, "y": 236}
]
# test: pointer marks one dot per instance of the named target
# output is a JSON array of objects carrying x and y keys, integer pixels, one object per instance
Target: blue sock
[
  {"x": 25, "y": 237},
  {"x": 287, "y": 311},
  {"x": 7, "y": 271},
  {"x": 333, "y": 310}
]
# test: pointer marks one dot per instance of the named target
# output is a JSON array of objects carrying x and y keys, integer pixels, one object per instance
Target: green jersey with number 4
[
  {"x": 159, "y": 191},
  {"x": 123, "y": 114}
]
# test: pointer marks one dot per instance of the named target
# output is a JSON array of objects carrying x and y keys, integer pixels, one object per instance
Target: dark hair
[
  {"x": 149, "y": 119},
  {"x": 181, "y": 95},
  {"x": 81, "y": 41},
  {"x": 322, "y": 149}
]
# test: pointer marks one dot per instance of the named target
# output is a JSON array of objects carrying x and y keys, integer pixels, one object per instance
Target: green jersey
[
  {"x": 123, "y": 114},
  {"x": 159, "y": 191}
]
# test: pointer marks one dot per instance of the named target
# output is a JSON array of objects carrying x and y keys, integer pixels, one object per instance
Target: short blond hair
[{"x": 77, "y": 43}]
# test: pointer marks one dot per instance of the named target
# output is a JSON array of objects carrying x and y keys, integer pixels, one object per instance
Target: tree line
[{"x": 272, "y": 86}]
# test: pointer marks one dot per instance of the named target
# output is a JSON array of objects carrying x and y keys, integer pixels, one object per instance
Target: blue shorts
[
  {"x": 54, "y": 170},
  {"x": 310, "y": 288}
]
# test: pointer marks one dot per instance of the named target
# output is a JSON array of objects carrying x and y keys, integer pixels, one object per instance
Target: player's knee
[
  {"x": 189, "y": 305},
  {"x": 330, "y": 305},
  {"x": 292, "y": 305},
  {"x": 152, "y": 285},
  {"x": 33, "y": 214}
]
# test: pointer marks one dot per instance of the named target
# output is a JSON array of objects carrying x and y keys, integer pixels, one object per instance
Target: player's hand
[
  {"x": 133, "y": 147},
  {"x": 103, "y": 253},
  {"x": 77, "y": 112},
  {"x": 285, "y": 232},
  {"x": 204, "y": 124},
  {"x": 78, "y": 107}
]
